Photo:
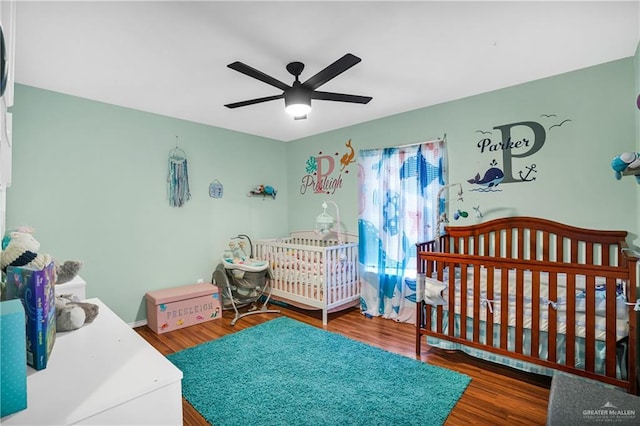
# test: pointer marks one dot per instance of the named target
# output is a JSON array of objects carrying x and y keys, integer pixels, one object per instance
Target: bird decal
[
  {"x": 554, "y": 116},
  {"x": 559, "y": 124}
]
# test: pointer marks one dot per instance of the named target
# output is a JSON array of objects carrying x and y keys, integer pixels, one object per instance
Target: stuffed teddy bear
[
  {"x": 72, "y": 314},
  {"x": 20, "y": 248}
]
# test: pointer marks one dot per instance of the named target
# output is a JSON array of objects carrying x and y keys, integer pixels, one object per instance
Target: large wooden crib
[
  {"x": 313, "y": 271},
  {"x": 534, "y": 290}
]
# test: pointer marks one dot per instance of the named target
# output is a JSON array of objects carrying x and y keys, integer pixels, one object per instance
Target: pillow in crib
[{"x": 433, "y": 292}]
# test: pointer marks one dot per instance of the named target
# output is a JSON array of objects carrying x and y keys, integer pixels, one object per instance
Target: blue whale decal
[{"x": 492, "y": 178}]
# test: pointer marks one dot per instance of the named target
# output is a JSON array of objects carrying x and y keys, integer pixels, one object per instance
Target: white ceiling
[{"x": 171, "y": 58}]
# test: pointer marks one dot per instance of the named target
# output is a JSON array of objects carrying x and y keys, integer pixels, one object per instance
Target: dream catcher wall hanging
[{"x": 178, "y": 178}]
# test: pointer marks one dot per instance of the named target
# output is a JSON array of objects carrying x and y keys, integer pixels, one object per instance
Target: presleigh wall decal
[
  {"x": 520, "y": 146},
  {"x": 324, "y": 175}
]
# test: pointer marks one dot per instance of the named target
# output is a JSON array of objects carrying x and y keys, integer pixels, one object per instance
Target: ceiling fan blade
[
  {"x": 254, "y": 101},
  {"x": 336, "y": 68},
  {"x": 340, "y": 97},
  {"x": 259, "y": 75}
]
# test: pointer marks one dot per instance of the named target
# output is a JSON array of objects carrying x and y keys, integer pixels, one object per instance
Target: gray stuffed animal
[
  {"x": 72, "y": 314},
  {"x": 67, "y": 271}
]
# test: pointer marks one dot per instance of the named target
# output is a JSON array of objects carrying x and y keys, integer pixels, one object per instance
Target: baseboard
[{"x": 138, "y": 323}]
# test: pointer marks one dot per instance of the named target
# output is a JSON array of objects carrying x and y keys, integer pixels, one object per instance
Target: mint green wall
[
  {"x": 574, "y": 180},
  {"x": 91, "y": 179}
]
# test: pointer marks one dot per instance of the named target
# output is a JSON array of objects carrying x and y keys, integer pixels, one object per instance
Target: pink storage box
[{"x": 174, "y": 308}]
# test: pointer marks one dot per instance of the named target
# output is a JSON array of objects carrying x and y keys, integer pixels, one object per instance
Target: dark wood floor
[{"x": 496, "y": 396}]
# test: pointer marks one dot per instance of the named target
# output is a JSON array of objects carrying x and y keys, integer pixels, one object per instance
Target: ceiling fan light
[
  {"x": 297, "y": 101},
  {"x": 298, "y": 110}
]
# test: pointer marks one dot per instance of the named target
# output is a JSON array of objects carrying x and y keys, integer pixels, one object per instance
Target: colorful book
[{"x": 35, "y": 288}]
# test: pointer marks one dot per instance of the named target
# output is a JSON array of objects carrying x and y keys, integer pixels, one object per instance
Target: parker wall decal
[
  {"x": 515, "y": 141},
  {"x": 324, "y": 172}
]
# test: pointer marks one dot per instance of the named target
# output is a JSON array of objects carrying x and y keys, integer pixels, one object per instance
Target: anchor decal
[{"x": 531, "y": 169}]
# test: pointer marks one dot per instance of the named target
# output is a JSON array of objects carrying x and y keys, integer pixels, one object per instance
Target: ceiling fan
[{"x": 297, "y": 97}]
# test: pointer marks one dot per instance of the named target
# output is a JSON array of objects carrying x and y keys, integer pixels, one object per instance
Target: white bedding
[{"x": 303, "y": 262}]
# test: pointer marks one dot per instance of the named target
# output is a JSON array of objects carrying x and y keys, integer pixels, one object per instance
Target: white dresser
[
  {"x": 102, "y": 374},
  {"x": 77, "y": 288}
]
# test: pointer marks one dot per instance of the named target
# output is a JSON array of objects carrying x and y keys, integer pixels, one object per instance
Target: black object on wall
[{"x": 4, "y": 65}]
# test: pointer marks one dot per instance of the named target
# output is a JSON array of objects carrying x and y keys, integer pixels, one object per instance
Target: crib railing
[{"x": 533, "y": 246}]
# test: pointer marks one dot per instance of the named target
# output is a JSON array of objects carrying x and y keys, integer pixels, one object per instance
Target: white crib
[{"x": 313, "y": 271}]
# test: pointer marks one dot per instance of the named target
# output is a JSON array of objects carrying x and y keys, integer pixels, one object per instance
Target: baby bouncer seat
[{"x": 243, "y": 280}]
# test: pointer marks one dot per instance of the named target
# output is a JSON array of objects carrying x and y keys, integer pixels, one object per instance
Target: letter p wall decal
[
  {"x": 325, "y": 165},
  {"x": 322, "y": 176},
  {"x": 539, "y": 137}
]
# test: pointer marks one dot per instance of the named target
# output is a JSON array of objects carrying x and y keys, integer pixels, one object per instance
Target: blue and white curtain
[{"x": 397, "y": 209}]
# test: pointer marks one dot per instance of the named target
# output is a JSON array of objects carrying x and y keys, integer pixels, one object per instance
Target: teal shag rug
[{"x": 284, "y": 372}]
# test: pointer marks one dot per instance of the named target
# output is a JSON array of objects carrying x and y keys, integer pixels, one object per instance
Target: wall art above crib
[{"x": 515, "y": 143}]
